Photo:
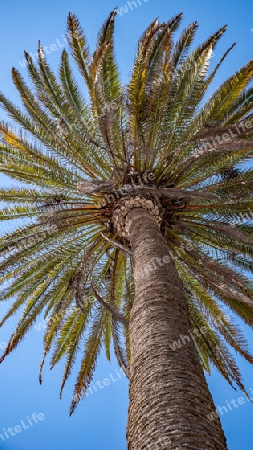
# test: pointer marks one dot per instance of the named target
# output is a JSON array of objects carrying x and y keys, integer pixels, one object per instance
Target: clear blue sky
[{"x": 100, "y": 420}]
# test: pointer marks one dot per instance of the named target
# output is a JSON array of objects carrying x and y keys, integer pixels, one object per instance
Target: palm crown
[{"x": 155, "y": 141}]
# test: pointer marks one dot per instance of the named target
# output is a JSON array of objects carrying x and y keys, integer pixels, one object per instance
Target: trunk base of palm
[{"x": 170, "y": 404}]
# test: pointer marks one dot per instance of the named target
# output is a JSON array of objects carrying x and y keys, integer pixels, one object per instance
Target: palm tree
[{"x": 133, "y": 235}]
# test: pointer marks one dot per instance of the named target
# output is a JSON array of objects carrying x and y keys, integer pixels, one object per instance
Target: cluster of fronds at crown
[{"x": 68, "y": 254}]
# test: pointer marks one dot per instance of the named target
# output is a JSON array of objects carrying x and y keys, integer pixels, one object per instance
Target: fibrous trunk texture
[{"x": 169, "y": 397}]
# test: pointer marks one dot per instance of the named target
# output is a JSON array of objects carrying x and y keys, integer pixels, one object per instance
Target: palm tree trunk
[{"x": 170, "y": 404}]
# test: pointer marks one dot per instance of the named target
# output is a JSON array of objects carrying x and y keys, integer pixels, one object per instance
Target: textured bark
[{"x": 169, "y": 398}]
